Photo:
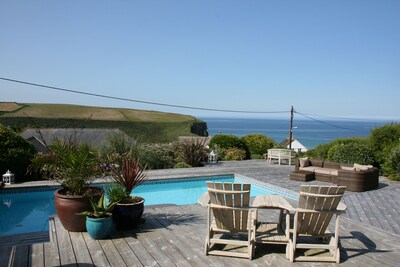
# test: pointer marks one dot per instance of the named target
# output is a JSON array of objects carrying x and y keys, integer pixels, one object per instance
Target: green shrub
[
  {"x": 182, "y": 165},
  {"x": 351, "y": 153},
  {"x": 321, "y": 151},
  {"x": 160, "y": 156},
  {"x": 256, "y": 156},
  {"x": 235, "y": 154},
  {"x": 15, "y": 154},
  {"x": 258, "y": 143},
  {"x": 226, "y": 141},
  {"x": 122, "y": 146},
  {"x": 392, "y": 165},
  {"x": 383, "y": 139},
  {"x": 155, "y": 156}
]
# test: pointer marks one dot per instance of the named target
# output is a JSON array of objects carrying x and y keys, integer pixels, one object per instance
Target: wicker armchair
[{"x": 359, "y": 181}]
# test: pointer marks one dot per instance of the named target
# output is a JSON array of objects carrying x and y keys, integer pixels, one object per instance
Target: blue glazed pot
[{"x": 99, "y": 228}]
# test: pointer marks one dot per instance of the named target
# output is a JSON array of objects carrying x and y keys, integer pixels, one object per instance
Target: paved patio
[{"x": 174, "y": 235}]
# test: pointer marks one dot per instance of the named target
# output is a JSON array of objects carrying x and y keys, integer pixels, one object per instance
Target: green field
[{"x": 148, "y": 126}]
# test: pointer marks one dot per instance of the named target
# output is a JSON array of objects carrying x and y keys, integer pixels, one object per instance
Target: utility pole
[{"x": 291, "y": 128}]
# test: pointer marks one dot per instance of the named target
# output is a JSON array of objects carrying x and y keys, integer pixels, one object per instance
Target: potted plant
[
  {"x": 99, "y": 223},
  {"x": 74, "y": 166},
  {"x": 128, "y": 173}
]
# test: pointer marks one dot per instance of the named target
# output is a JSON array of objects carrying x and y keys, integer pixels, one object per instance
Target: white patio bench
[{"x": 282, "y": 155}]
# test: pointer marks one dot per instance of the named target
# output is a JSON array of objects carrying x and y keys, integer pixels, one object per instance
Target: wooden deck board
[
  {"x": 64, "y": 245},
  {"x": 51, "y": 252},
  {"x": 112, "y": 254},
  {"x": 125, "y": 251},
  {"x": 96, "y": 251},
  {"x": 182, "y": 244},
  {"x": 374, "y": 214},
  {"x": 21, "y": 256},
  {"x": 141, "y": 252},
  {"x": 168, "y": 248},
  {"x": 154, "y": 249},
  {"x": 385, "y": 220},
  {"x": 176, "y": 221},
  {"x": 5, "y": 255},
  {"x": 386, "y": 207},
  {"x": 37, "y": 255},
  {"x": 81, "y": 251}
]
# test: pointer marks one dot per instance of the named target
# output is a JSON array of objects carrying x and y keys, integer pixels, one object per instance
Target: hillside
[{"x": 148, "y": 126}]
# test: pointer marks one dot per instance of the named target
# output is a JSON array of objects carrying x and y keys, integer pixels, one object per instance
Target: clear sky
[{"x": 333, "y": 58}]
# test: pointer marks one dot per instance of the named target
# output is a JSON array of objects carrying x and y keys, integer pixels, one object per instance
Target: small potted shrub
[
  {"x": 128, "y": 173},
  {"x": 75, "y": 167},
  {"x": 99, "y": 223}
]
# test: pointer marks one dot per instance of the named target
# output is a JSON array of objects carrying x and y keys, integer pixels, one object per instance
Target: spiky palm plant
[{"x": 72, "y": 165}]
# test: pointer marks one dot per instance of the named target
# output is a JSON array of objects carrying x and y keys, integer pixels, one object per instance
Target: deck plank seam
[
  {"x": 382, "y": 210},
  {"x": 373, "y": 210}
]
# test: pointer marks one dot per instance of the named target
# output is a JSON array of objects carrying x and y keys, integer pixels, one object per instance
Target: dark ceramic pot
[
  {"x": 68, "y": 206},
  {"x": 99, "y": 228},
  {"x": 127, "y": 215}
]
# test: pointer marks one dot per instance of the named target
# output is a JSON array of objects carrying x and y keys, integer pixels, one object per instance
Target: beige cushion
[
  {"x": 323, "y": 171},
  {"x": 335, "y": 172},
  {"x": 304, "y": 162},
  {"x": 308, "y": 169},
  {"x": 347, "y": 168},
  {"x": 359, "y": 167}
]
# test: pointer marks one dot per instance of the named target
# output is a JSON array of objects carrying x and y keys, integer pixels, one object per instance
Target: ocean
[{"x": 308, "y": 132}]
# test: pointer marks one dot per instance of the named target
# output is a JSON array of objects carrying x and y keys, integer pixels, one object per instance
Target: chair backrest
[
  {"x": 229, "y": 203},
  {"x": 317, "y": 205}
]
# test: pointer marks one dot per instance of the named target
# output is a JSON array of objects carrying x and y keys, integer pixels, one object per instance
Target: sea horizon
[{"x": 308, "y": 132}]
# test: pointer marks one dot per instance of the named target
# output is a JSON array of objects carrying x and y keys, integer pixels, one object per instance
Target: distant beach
[{"x": 309, "y": 132}]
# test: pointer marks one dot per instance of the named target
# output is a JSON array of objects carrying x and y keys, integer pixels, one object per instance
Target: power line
[
  {"x": 329, "y": 124},
  {"x": 138, "y": 101},
  {"x": 329, "y": 117}
]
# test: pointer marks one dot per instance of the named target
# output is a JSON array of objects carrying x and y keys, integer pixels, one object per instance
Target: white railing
[{"x": 280, "y": 155}]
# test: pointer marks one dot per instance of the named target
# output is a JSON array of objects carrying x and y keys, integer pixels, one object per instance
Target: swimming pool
[{"x": 28, "y": 210}]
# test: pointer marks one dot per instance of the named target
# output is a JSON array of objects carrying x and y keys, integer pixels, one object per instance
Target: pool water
[
  {"x": 29, "y": 210},
  {"x": 188, "y": 191},
  {"x": 25, "y": 212}
]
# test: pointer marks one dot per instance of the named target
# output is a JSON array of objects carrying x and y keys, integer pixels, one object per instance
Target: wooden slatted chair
[
  {"x": 229, "y": 217},
  {"x": 317, "y": 205}
]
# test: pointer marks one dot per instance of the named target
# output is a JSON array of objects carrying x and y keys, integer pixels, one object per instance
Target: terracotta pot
[
  {"x": 127, "y": 215},
  {"x": 68, "y": 206}
]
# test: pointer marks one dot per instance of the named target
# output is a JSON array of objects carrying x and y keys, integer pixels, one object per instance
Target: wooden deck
[{"x": 175, "y": 235}]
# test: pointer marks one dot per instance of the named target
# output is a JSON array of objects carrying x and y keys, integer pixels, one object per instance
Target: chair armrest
[
  {"x": 342, "y": 207},
  {"x": 204, "y": 200}
]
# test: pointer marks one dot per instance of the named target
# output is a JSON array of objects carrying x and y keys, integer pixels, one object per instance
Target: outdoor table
[{"x": 273, "y": 232}]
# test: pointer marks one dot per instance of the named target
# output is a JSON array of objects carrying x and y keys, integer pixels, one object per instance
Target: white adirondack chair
[
  {"x": 229, "y": 213},
  {"x": 317, "y": 205}
]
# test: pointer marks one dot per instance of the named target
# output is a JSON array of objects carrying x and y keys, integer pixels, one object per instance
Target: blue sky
[{"x": 332, "y": 58}]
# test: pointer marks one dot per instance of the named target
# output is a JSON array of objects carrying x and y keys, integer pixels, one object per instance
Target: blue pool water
[
  {"x": 28, "y": 211},
  {"x": 186, "y": 191}
]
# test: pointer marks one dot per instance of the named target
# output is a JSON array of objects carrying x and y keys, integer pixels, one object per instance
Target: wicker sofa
[{"x": 357, "y": 178}]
